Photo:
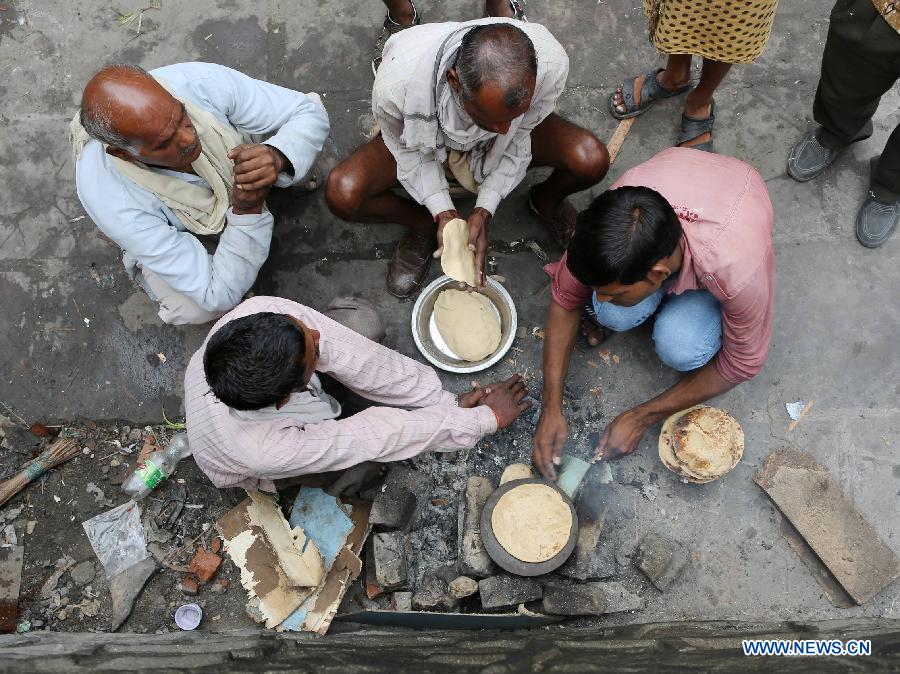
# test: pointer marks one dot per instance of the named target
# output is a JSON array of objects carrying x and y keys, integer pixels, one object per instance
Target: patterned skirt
[{"x": 732, "y": 31}]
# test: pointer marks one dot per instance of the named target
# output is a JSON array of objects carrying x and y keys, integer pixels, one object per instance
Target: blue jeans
[{"x": 688, "y": 329}]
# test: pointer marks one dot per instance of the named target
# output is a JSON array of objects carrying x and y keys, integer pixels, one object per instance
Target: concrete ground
[{"x": 77, "y": 339}]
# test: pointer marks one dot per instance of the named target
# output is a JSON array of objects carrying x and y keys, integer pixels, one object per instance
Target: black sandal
[
  {"x": 694, "y": 127},
  {"x": 651, "y": 91}
]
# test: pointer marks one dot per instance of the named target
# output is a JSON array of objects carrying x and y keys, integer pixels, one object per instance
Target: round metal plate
[
  {"x": 428, "y": 338},
  {"x": 499, "y": 554}
]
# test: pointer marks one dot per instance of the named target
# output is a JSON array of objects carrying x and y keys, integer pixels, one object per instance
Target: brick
[
  {"x": 589, "y": 599},
  {"x": 463, "y": 587},
  {"x": 395, "y": 503},
  {"x": 661, "y": 559},
  {"x": 432, "y": 594},
  {"x": 473, "y": 559},
  {"x": 204, "y": 565},
  {"x": 189, "y": 586},
  {"x": 402, "y": 601},
  {"x": 829, "y": 522},
  {"x": 386, "y": 563},
  {"x": 503, "y": 591}
]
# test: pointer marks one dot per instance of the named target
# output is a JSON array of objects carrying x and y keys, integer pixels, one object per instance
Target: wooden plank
[
  {"x": 836, "y": 531},
  {"x": 618, "y": 138},
  {"x": 11, "y": 557}
]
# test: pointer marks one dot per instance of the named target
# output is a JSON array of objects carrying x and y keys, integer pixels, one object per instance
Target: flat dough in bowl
[
  {"x": 701, "y": 443},
  {"x": 457, "y": 261},
  {"x": 468, "y": 324},
  {"x": 532, "y": 522}
]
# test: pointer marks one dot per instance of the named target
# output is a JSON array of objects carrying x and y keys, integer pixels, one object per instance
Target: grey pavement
[{"x": 78, "y": 340}]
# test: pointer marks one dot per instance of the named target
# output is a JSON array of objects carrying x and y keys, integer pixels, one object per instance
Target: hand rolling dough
[
  {"x": 457, "y": 261},
  {"x": 532, "y": 522},
  {"x": 468, "y": 324}
]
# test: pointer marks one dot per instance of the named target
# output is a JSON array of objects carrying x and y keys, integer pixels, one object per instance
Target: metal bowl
[{"x": 429, "y": 340}]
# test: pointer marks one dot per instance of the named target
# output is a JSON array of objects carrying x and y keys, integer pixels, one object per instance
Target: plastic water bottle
[{"x": 156, "y": 468}]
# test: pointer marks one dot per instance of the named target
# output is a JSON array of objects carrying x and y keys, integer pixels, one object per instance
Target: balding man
[
  {"x": 473, "y": 101},
  {"x": 166, "y": 156}
]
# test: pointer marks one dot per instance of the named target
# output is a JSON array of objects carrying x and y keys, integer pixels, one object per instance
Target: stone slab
[
  {"x": 502, "y": 591},
  {"x": 589, "y": 599},
  {"x": 661, "y": 559},
  {"x": 838, "y": 533},
  {"x": 473, "y": 559}
]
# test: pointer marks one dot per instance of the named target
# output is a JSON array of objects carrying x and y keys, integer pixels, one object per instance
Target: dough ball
[
  {"x": 701, "y": 443},
  {"x": 457, "y": 261},
  {"x": 468, "y": 324},
  {"x": 532, "y": 522},
  {"x": 515, "y": 471}
]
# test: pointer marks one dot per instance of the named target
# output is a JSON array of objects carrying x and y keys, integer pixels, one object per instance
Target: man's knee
[
  {"x": 359, "y": 315},
  {"x": 588, "y": 157},
  {"x": 685, "y": 347},
  {"x": 344, "y": 192}
]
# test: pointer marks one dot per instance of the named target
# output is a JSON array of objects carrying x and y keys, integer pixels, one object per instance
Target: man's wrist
[
  {"x": 248, "y": 210},
  {"x": 278, "y": 157}
]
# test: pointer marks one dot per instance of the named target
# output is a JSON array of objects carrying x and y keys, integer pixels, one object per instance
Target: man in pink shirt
[
  {"x": 257, "y": 411},
  {"x": 686, "y": 236}
]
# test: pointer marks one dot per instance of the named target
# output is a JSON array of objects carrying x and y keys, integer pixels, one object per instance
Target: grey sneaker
[
  {"x": 876, "y": 221},
  {"x": 809, "y": 158}
]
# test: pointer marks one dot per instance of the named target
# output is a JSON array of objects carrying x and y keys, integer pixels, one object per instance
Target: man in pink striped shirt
[
  {"x": 686, "y": 236},
  {"x": 257, "y": 411}
]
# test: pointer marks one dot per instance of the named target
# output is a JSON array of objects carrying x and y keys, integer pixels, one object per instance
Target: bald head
[
  {"x": 124, "y": 107},
  {"x": 497, "y": 53},
  {"x": 110, "y": 96}
]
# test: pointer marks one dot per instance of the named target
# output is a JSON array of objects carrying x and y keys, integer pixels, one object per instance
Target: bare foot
[
  {"x": 499, "y": 8},
  {"x": 594, "y": 334},
  {"x": 697, "y": 111},
  {"x": 667, "y": 81},
  {"x": 401, "y": 12}
]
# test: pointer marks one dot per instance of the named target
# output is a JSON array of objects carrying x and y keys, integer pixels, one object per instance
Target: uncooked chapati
[
  {"x": 468, "y": 324},
  {"x": 701, "y": 443},
  {"x": 532, "y": 522},
  {"x": 457, "y": 261}
]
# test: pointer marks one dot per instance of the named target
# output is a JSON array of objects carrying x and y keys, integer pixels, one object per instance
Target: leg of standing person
[
  {"x": 579, "y": 160},
  {"x": 359, "y": 189},
  {"x": 699, "y": 103},
  {"x": 860, "y": 63}
]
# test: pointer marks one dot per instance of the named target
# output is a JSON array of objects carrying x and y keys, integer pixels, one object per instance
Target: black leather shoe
[
  {"x": 809, "y": 158},
  {"x": 876, "y": 221}
]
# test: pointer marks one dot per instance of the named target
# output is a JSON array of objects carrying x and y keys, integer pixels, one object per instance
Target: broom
[{"x": 59, "y": 452}]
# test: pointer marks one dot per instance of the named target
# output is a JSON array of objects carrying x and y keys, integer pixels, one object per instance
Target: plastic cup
[{"x": 188, "y": 616}]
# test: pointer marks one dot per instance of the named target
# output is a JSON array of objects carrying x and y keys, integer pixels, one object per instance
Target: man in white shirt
[
  {"x": 165, "y": 157},
  {"x": 473, "y": 101}
]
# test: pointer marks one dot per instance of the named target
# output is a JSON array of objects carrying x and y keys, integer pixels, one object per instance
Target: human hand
[
  {"x": 256, "y": 166},
  {"x": 623, "y": 435},
  {"x": 478, "y": 241},
  {"x": 549, "y": 438},
  {"x": 473, "y": 397},
  {"x": 505, "y": 399},
  {"x": 442, "y": 219},
  {"x": 244, "y": 202}
]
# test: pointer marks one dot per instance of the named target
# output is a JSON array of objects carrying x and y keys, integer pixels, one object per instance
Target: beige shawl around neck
[{"x": 200, "y": 209}]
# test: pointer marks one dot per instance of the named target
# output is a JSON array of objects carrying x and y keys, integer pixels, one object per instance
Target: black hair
[
  {"x": 255, "y": 361},
  {"x": 621, "y": 235},
  {"x": 500, "y": 53}
]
